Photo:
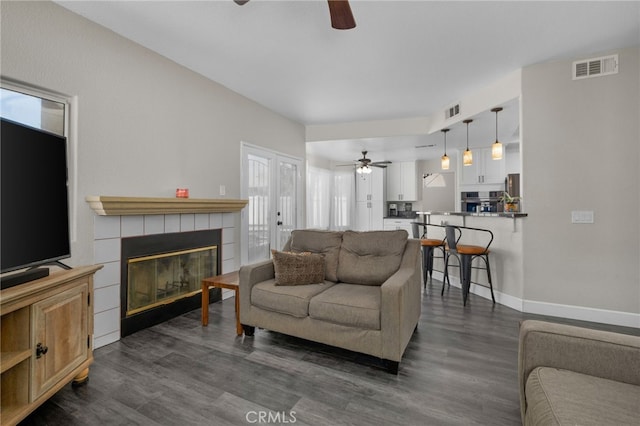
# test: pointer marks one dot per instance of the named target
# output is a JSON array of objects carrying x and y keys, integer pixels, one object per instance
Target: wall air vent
[
  {"x": 595, "y": 67},
  {"x": 452, "y": 111}
]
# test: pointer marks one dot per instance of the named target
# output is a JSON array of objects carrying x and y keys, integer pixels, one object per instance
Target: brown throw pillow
[{"x": 298, "y": 268}]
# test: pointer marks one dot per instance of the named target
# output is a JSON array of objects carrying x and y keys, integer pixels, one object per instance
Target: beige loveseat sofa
[
  {"x": 368, "y": 302},
  {"x": 576, "y": 376}
]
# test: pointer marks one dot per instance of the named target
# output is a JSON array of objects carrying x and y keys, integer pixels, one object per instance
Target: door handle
[{"x": 279, "y": 223}]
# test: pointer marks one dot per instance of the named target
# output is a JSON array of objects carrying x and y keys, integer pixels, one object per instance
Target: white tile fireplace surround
[{"x": 109, "y": 230}]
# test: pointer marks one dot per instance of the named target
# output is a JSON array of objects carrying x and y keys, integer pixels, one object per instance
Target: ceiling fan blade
[
  {"x": 377, "y": 163},
  {"x": 341, "y": 16},
  {"x": 382, "y": 166}
]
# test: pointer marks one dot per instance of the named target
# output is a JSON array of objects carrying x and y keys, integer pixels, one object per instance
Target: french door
[{"x": 272, "y": 184}]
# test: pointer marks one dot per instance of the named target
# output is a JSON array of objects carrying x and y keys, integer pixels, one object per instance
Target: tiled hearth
[{"x": 109, "y": 230}]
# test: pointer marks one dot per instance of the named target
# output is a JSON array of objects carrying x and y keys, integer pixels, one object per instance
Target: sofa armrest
[
  {"x": 597, "y": 353},
  {"x": 250, "y": 275},
  {"x": 401, "y": 303}
]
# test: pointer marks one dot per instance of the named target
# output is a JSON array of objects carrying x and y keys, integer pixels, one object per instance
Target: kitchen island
[{"x": 507, "y": 263}]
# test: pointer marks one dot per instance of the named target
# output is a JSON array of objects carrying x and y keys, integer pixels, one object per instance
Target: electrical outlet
[
  {"x": 582, "y": 216},
  {"x": 223, "y": 190}
]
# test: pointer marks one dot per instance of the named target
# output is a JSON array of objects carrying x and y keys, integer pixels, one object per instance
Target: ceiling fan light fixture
[
  {"x": 364, "y": 170},
  {"x": 467, "y": 157},
  {"x": 496, "y": 148},
  {"x": 444, "y": 160}
]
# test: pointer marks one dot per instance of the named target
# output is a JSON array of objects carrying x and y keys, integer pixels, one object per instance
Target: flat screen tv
[{"x": 34, "y": 209}]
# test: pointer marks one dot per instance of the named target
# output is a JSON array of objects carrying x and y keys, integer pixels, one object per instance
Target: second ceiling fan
[{"x": 339, "y": 10}]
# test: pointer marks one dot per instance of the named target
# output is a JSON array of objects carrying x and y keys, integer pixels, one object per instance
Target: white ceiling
[{"x": 404, "y": 59}]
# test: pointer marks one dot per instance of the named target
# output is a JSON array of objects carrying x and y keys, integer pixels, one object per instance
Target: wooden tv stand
[{"x": 46, "y": 340}]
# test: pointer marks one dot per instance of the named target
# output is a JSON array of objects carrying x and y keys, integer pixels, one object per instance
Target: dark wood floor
[{"x": 459, "y": 369}]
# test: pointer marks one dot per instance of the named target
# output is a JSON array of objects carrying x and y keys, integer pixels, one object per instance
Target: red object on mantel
[{"x": 182, "y": 193}]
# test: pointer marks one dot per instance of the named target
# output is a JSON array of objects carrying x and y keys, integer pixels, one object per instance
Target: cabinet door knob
[{"x": 41, "y": 350}]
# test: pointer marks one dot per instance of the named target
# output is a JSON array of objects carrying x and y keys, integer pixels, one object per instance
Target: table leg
[
  {"x": 238, "y": 325},
  {"x": 205, "y": 303}
]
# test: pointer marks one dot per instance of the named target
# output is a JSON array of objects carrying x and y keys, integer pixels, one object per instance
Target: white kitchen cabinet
[
  {"x": 369, "y": 216},
  {"x": 370, "y": 202},
  {"x": 402, "y": 183},
  {"x": 370, "y": 187},
  {"x": 391, "y": 224},
  {"x": 484, "y": 170}
]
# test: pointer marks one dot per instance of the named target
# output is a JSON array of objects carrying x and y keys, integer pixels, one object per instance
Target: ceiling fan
[
  {"x": 364, "y": 164},
  {"x": 339, "y": 10}
]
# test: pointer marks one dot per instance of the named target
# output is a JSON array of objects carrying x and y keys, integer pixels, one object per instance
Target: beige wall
[
  {"x": 581, "y": 152},
  {"x": 145, "y": 124}
]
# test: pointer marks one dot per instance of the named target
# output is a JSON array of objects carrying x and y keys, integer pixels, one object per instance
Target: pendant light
[
  {"x": 467, "y": 157},
  {"x": 445, "y": 158},
  {"x": 496, "y": 148}
]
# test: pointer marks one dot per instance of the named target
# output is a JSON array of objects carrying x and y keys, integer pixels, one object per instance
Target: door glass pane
[
  {"x": 287, "y": 201},
  {"x": 259, "y": 189}
]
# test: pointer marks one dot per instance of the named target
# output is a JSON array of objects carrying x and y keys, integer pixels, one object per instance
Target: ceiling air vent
[
  {"x": 595, "y": 67},
  {"x": 452, "y": 111}
]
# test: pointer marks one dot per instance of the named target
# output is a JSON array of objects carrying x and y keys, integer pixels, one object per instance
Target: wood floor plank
[{"x": 459, "y": 369}]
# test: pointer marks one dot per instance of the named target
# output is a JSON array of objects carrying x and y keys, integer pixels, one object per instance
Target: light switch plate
[
  {"x": 223, "y": 190},
  {"x": 582, "y": 216}
]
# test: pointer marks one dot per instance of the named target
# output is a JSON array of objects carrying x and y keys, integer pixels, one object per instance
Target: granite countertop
[
  {"x": 403, "y": 215},
  {"x": 487, "y": 214}
]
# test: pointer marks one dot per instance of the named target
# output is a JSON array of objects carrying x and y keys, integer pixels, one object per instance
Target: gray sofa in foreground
[
  {"x": 368, "y": 302},
  {"x": 576, "y": 376}
]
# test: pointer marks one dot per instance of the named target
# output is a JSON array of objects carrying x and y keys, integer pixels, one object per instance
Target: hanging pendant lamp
[
  {"x": 467, "y": 157},
  {"x": 445, "y": 158},
  {"x": 496, "y": 148}
]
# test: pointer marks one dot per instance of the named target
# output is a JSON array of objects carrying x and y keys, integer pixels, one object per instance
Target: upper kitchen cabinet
[
  {"x": 484, "y": 170},
  {"x": 402, "y": 183},
  {"x": 370, "y": 187},
  {"x": 370, "y": 201}
]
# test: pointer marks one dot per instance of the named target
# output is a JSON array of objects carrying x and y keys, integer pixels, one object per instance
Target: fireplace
[{"x": 161, "y": 276}]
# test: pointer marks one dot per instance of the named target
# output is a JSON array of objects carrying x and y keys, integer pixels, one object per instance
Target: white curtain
[
  {"x": 343, "y": 200},
  {"x": 330, "y": 199},
  {"x": 318, "y": 197}
]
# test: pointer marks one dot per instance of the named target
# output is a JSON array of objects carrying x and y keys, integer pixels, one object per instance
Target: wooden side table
[{"x": 229, "y": 281}]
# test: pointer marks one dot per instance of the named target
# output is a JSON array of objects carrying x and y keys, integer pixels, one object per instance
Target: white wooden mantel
[{"x": 123, "y": 206}]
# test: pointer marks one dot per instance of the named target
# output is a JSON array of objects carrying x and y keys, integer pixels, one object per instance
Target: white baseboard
[{"x": 625, "y": 319}]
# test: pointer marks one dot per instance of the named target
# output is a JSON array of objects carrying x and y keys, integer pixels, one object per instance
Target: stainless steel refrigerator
[{"x": 512, "y": 184}]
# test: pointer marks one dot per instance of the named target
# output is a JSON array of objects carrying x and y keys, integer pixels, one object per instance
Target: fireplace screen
[{"x": 160, "y": 279}]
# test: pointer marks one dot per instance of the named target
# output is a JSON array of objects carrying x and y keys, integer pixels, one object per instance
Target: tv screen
[{"x": 34, "y": 209}]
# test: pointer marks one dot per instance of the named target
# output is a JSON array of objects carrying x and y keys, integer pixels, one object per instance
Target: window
[
  {"x": 33, "y": 111},
  {"x": 318, "y": 198},
  {"x": 330, "y": 199},
  {"x": 48, "y": 112},
  {"x": 343, "y": 201}
]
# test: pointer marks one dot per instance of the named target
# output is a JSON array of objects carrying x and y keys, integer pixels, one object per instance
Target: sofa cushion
[
  {"x": 371, "y": 257},
  {"x": 298, "y": 268},
  {"x": 291, "y": 300},
  {"x": 352, "y": 305},
  {"x": 562, "y": 397},
  {"x": 318, "y": 241}
]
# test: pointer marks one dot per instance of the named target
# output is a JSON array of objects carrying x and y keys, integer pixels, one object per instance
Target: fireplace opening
[{"x": 161, "y": 276}]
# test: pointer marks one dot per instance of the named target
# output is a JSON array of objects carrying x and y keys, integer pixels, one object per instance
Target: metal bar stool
[
  {"x": 466, "y": 254},
  {"x": 428, "y": 245}
]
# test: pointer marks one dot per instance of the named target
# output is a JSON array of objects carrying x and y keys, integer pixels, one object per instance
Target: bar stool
[
  {"x": 466, "y": 254},
  {"x": 428, "y": 245}
]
